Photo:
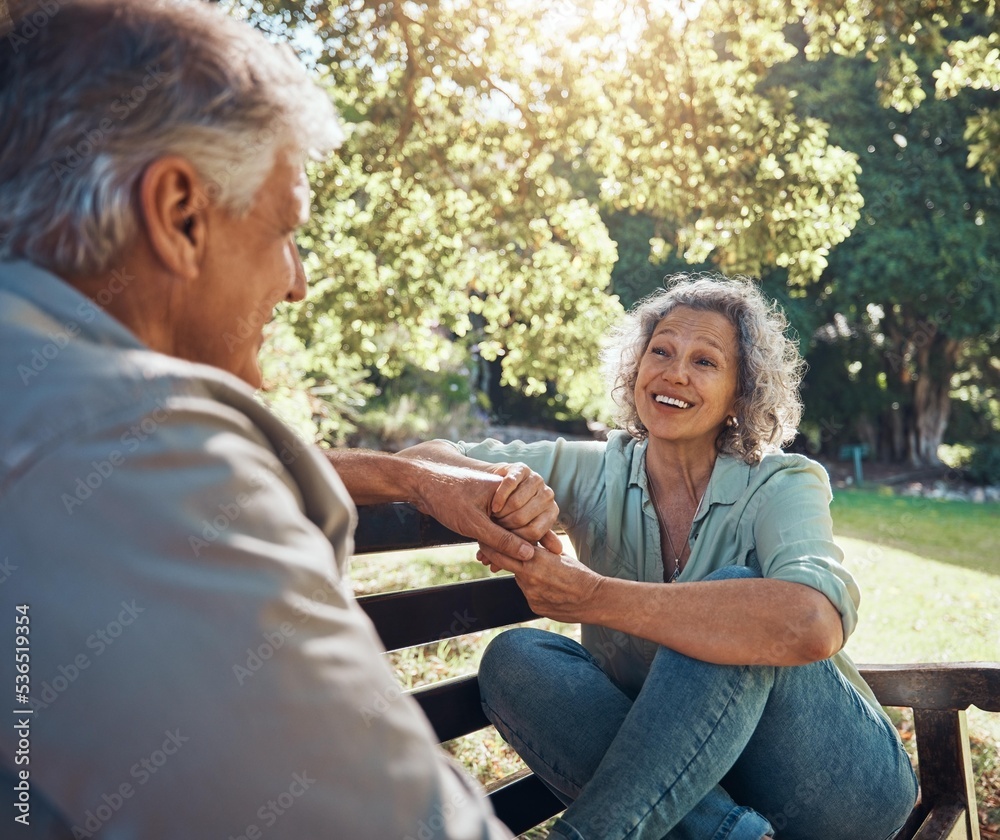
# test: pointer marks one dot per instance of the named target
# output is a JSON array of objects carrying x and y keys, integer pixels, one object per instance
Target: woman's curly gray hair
[{"x": 768, "y": 407}]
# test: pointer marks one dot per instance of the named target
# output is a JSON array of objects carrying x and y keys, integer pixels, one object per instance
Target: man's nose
[{"x": 298, "y": 287}]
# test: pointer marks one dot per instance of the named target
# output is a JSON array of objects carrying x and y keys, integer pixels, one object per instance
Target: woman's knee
[
  {"x": 513, "y": 657},
  {"x": 510, "y": 647}
]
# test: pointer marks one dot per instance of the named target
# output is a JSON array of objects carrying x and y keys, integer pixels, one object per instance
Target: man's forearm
[
  {"x": 456, "y": 496},
  {"x": 377, "y": 477},
  {"x": 442, "y": 452}
]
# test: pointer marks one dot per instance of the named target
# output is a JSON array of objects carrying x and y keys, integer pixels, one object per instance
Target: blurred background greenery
[{"x": 516, "y": 173}]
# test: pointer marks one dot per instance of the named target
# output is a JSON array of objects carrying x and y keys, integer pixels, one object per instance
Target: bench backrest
[{"x": 937, "y": 693}]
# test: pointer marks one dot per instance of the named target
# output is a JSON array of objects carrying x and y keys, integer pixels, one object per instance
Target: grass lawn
[
  {"x": 929, "y": 572},
  {"x": 956, "y": 533}
]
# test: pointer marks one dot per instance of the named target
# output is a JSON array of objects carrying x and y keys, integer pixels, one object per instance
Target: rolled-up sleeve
[{"x": 793, "y": 534}]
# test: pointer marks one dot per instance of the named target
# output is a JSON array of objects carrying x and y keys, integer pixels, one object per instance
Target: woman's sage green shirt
[{"x": 773, "y": 517}]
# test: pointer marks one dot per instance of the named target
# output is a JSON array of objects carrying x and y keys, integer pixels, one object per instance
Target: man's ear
[{"x": 172, "y": 214}]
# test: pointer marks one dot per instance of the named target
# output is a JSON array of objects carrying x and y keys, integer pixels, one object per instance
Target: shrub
[{"x": 983, "y": 466}]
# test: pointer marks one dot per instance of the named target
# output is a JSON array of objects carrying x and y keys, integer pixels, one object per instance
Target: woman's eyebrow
[{"x": 711, "y": 342}]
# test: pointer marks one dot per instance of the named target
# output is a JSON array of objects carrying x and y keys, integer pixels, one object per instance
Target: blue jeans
[{"x": 704, "y": 752}]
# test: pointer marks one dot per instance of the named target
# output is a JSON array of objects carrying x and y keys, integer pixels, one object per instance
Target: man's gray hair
[
  {"x": 768, "y": 408},
  {"x": 93, "y": 91}
]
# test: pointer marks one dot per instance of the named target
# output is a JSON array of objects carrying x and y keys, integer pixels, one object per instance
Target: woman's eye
[{"x": 707, "y": 362}]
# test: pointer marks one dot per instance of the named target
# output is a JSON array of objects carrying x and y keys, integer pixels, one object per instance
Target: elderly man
[{"x": 187, "y": 656}]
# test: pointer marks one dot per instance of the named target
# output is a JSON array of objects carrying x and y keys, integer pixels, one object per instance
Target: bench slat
[
  {"x": 399, "y": 527},
  {"x": 417, "y": 616},
  {"x": 945, "y": 764},
  {"x": 946, "y": 822},
  {"x": 953, "y": 685},
  {"x": 452, "y": 706},
  {"x": 521, "y": 802},
  {"x": 913, "y": 822}
]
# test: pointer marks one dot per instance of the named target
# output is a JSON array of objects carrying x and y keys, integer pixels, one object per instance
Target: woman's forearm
[
  {"x": 728, "y": 622},
  {"x": 504, "y": 506}
]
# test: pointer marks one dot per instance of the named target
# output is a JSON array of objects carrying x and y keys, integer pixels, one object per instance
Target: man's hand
[
  {"x": 506, "y": 507},
  {"x": 555, "y": 585},
  {"x": 523, "y": 503},
  {"x": 462, "y": 499}
]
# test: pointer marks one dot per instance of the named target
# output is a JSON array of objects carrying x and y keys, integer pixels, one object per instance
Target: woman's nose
[{"x": 676, "y": 370}]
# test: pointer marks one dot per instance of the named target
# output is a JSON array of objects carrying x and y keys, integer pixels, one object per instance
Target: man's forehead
[
  {"x": 291, "y": 192},
  {"x": 301, "y": 197}
]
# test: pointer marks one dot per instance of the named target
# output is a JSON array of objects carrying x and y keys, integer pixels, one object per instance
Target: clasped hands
[
  {"x": 555, "y": 584},
  {"x": 510, "y": 511}
]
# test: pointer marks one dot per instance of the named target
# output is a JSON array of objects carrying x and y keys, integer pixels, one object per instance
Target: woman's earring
[{"x": 732, "y": 422}]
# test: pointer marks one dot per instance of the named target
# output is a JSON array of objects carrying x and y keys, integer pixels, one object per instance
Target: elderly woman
[{"x": 710, "y": 698}]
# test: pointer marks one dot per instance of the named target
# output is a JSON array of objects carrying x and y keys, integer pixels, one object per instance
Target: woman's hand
[
  {"x": 555, "y": 585},
  {"x": 523, "y": 503}
]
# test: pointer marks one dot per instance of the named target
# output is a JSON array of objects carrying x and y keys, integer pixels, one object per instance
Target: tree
[
  {"x": 898, "y": 36},
  {"x": 455, "y": 212},
  {"x": 919, "y": 279},
  {"x": 450, "y": 214}
]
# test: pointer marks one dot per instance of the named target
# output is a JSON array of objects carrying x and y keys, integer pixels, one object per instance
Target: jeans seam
[
  {"x": 726, "y": 828},
  {"x": 516, "y": 734},
  {"x": 695, "y": 755}
]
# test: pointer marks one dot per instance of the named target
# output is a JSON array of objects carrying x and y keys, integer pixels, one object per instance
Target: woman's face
[{"x": 686, "y": 387}]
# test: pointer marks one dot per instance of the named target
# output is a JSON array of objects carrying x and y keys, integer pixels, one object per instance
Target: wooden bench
[{"x": 937, "y": 693}]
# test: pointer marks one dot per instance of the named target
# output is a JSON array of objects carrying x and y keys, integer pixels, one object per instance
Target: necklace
[{"x": 665, "y": 530}]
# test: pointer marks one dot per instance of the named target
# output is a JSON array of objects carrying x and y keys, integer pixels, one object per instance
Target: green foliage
[
  {"x": 316, "y": 390},
  {"x": 898, "y": 36},
  {"x": 419, "y": 405},
  {"x": 486, "y": 138},
  {"x": 983, "y": 464},
  {"x": 843, "y": 392},
  {"x": 917, "y": 285}
]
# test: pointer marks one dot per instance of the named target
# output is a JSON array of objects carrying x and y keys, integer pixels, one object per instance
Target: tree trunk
[
  {"x": 895, "y": 435},
  {"x": 921, "y": 360},
  {"x": 935, "y": 363}
]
